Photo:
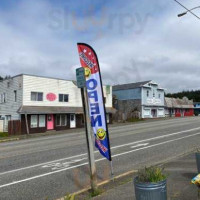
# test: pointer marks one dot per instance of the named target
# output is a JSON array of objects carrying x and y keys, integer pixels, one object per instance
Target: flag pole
[
  {"x": 93, "y": 173},
  {"x": 111, "y": 169}
]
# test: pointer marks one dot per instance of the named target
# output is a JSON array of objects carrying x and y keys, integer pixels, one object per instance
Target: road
[{"x": 49, "y": 167}]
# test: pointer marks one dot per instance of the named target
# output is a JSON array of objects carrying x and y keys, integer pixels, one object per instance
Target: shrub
[
  {"x": 151, "y": 175},
  {"x": 2, "y": 134}
]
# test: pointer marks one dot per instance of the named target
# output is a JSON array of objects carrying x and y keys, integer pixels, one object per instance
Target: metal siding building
[
  {"x": 175, "y": 107},
  {"x": 145, "y": 97},
  {"x": 44, "y": 103}
]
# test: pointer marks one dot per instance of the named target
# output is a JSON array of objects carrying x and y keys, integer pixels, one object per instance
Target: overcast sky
[{"x": 135, "y": 40}]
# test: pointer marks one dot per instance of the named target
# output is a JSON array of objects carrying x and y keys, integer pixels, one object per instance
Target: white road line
[
  {"x": 116, "y": 155},
  {"x": 168, "y": 141},
  {"x": 84, "y": 154},
  {"x": 139, "y": 145},
  {"x": 158, "y": 137}
]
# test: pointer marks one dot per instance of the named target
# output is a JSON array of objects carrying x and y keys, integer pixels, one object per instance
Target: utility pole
[{"x": 80, "y": 75}]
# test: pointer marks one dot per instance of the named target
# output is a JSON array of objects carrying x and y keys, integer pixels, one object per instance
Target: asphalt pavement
[{"x": 49, "y": 167}]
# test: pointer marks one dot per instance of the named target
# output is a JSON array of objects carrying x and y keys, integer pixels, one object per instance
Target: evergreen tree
[{"x": 193, "y": 94}]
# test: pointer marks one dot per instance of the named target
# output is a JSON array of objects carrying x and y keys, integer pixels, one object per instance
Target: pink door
[{"x": 50, "y": 122}]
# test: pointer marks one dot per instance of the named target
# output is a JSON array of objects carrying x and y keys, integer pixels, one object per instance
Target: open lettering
[{"x": 94, "y": 105}]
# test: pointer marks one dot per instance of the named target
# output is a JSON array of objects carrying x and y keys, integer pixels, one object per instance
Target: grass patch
[
  {"x": 92, "y": 194},
  {"x": 95, "y": 193},
  {"x": 69, "y": 197},
  {"x": 2, "y": 134}
]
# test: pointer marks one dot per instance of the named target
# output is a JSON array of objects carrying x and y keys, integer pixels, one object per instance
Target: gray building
[{"x": 141, "y": 99}]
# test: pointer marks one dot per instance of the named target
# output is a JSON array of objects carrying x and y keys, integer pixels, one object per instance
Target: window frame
[
  {"x": 31, "y": 126},
  {"x": 62, "y": 98},
  {"x": 37, "y": 96},
  {"x": 44, "y": 124},
  {"x": 59, "y": 116},
  {"x": 15, "y": 95},
  {"x": 4, "y": 97},
  {"x": 147, "y": 93},
  {"x": 154, "y": 94}
]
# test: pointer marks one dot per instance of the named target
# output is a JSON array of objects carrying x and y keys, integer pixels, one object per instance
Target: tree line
[
  {"x": 193, "y": 94},
  {"x": 4, "y": 78}
]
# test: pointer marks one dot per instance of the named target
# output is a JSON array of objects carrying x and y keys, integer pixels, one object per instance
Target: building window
[
  {"x": 147, "y": 93},
  {"x": 61, "y": 120},
  {"x": 42, "y": 121},
  {"x": 3, "y": 98},
  {"x": 153, "y": 93},
  {"x": 34, "y": 120},
  {"x": 36, "y": 96},
  {"x": 159, "y": 96},
  {"x": 63, "y": 97},
  {"x": 15, "y": 94}
]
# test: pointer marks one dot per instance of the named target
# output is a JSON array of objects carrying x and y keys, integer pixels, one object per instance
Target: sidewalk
[{"x": 180, "y": 172}]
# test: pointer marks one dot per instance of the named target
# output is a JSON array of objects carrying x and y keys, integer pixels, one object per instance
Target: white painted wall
[
  {"x": 1, "y": 125},
  {"x": 50, "y": 85},
  {"x": 108, "y": 96},
  {"x": 152, "y": 102},
  {"x": 56, "y": 86}
]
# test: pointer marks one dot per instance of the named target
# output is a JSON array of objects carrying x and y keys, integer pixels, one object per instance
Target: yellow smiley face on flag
[
  {"x": 101, "y": 134},
  {"x": 87, "y": 72}
]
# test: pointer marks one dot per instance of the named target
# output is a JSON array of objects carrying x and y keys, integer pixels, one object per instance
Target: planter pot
[
  {"x": 198, "y": 161},
  {"x": 150, "y": 191}
]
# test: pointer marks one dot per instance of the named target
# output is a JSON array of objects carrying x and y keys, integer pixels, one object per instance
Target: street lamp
[
  {"x": 184, "y": 13},
  {"x": 180, "y": 15}
]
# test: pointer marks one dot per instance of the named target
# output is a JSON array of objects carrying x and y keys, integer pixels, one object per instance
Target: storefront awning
[{"x": 55, "y": 110}]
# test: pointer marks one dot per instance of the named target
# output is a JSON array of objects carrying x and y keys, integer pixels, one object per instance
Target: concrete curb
[
  {"x": 9, "y": 140},
  {"x": 103, "y": 183}
]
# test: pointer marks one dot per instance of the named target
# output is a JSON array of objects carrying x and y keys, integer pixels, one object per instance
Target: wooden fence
[{"x": 14, "y": 127}]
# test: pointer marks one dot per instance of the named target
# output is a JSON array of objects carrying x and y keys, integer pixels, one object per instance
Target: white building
[{"x": 44, "y": 103}]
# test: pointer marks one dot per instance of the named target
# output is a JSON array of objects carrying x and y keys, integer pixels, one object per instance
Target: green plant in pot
[
  {"x": 197, "y": 155},
  {"x": 151, "y": 184}
]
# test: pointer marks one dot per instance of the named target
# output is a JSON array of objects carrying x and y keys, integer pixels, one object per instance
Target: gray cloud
[{"x": 152, "y": 44}]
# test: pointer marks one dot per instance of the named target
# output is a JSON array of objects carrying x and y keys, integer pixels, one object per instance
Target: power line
[{"x": 187, "y": 9}]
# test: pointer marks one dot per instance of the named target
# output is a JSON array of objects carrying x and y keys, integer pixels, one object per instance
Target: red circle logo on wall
[{"x": 51, "y": 97}]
